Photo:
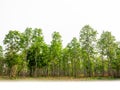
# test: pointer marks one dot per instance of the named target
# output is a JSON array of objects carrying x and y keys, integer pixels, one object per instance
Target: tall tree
[
  {"x": 107, "y": 48},
  {"x": 87, "y": 42},
  {"x": 12, "y": 42},
  {"x": 35, "y": 51},
  {"x": 25, "y": 42},
  {"x": 116, "y": 61},
  {"x": 56, "y": 51},
  {"x": 74, "y": 50}
]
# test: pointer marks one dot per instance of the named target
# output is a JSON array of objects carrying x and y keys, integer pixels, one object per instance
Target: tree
[
  {"x": 12, "y": 42},
  {"x": 25, "y": 43},
  {"x": 87, "y": 42},
  {"x": 115, "y": 62},
  {"x": 56, "y": 52},
  {"x": 74, "y": 52},
  {"x": 106, "y": 45},
  {"x": 35, "y": 55}
]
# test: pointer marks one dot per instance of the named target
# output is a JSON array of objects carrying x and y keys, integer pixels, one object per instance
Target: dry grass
[{"x": 57, "y": 79}]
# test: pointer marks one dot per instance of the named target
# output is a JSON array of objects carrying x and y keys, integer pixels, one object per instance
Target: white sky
[{"x": 64, "y": 16}]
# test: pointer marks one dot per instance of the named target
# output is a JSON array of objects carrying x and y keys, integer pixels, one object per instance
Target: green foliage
[
  {"x": 13, "y": 45},
  {"x": 56, "y": 52},
  {"x": 27, "y": 54},
  {"x": 26, "y": 38},
  {"x": 87, "y": 42},
  {"x": 107, "y": 47},
  {"x": 1, "y": 52},
  {"x": 56, "y": 45},
  {"x": 74, "y": 56},
  {"x": 12, "y": 41}
]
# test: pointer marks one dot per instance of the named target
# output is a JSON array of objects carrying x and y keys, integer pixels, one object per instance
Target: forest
[{"x": 26, "y": 54}]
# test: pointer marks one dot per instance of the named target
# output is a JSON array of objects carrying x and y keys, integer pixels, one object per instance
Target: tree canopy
[{"x": 27, "y": 54}]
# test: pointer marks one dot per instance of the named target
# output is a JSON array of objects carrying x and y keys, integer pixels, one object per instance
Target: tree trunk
[{"x": 102, "y": 65}]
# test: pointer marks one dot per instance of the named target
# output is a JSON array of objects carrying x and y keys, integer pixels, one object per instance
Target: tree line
[{"x": 27, "y": 54}]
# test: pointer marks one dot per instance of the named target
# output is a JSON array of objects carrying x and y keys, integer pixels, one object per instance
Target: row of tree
[{"x": 27, "y": 54}]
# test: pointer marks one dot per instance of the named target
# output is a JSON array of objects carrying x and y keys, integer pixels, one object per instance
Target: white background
[
  {"x": 81, "y": 85},
  {"x": 66, "y": 17}
]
